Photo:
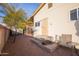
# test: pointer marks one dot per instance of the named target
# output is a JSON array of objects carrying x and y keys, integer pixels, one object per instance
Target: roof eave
[{"x": 37, "y": 10}]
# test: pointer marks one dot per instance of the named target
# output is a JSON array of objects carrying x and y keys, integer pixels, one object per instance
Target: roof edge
[{"x": 38, "y": 9}]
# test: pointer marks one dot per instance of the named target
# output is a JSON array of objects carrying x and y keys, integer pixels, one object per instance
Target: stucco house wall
[
  {"x": 58, "y": 20},
  {"x": 42, "y": 14}
]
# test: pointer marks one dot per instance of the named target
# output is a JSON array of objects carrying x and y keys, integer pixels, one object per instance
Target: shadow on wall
[{"x": 77, "y": 27}]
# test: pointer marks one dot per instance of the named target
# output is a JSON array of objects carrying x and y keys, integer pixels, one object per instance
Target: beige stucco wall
[
  {"x": 1, "y": 39},
  {"x": 4, "y": 34},
  {"x": 58, "y": 20}
]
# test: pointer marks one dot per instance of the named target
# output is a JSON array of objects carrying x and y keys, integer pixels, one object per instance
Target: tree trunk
[
  {"x": 15, "y": 35},
  {"x": 23, "y": 31}
]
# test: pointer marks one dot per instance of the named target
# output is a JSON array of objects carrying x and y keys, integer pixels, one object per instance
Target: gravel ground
[{"x": 23, "y": 46}]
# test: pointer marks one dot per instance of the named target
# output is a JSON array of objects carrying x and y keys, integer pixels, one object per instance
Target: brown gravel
[{"x": 23, "y": 46}]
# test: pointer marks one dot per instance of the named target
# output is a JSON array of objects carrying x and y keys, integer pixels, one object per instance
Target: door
[{"x": 45, "y": 27}]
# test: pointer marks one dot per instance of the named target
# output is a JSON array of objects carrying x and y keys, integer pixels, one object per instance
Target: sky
[{"x": 28, "y": 7}]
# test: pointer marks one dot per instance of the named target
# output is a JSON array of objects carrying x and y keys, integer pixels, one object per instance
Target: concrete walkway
[{"x": 23, "y": 46}]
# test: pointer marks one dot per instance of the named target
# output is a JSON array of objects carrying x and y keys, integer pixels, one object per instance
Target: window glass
[
  {"x": 73, "y": 14},
  {"x": 37, "y": 24}
]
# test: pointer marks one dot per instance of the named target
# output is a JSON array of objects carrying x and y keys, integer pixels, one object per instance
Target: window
[
  {"x": 49, "y": 5},
  {"x": 73, "y": 14},
  {"x": 37, "y": 24}
]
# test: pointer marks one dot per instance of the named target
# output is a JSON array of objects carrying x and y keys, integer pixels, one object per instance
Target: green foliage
[
  {"x": 29, "y": 22},
  {"x": 7, "y": 20},
  {"x": 21, "y": 24},
  {"x": 7, "y": 8},
  {"x": 13, "y": 17}
]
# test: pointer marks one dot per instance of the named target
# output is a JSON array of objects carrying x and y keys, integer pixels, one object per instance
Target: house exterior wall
[
  {"x": 39, "y": 17},
  {"x": 58, "y": 20}
]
